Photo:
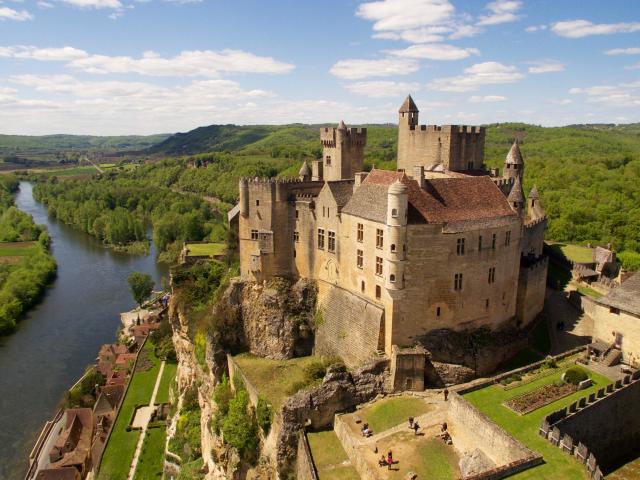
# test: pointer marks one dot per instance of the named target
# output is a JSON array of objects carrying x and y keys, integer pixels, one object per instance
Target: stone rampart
[
  {"x": 351, "y": 445},
  {"x": 470, "y": 428},
  {"x": 304, "y": 462}
]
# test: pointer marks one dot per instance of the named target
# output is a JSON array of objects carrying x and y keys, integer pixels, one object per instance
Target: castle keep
[{"x": 415, "y": 264}]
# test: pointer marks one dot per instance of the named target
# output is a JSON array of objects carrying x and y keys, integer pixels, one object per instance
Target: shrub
[
  {"x": 239, "y": 426},
  {"x": 575, "y": 375},
  {"x": 264, "y": 415}
]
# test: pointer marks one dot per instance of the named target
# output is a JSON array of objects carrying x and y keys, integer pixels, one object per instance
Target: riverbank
[{"x": 61, "y": 334}]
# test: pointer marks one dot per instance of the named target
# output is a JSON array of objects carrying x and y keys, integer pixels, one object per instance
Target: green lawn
[
  {"x": 273, "y": 378},
  {"x": 389, "y": 412},
  {"x": 17, "y": 249},
  {"x": 558, "y": 465},
  {"x": 328, "y": 457},
  {"x": 122, "y": 444},
  {"x": 590, "y": 292},
  {"x": 206, "y": 249},
  {"x": 168, "y": 375},
  {"x": 151, "y": 461},
  {"x": 575, "y": 253},
  {"x": 433, "y": 460}
]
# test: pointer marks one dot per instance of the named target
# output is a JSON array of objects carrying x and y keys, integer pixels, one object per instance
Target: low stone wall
[
  {"x": 471, "y": 429},
  {"x": 236, "y": 371},
  {"x": 601, "y": 429},
  {"x": 351, "y": 445},
  {"x": 304, "y": 463}
]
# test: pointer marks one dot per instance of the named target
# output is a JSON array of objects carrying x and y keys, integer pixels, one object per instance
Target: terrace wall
[
  {"x": 351, "y": 445},
  {"x": 304, "y": 463}
]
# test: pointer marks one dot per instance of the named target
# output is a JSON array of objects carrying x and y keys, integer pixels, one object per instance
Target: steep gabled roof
[
  {"x": 341, "y": 191},
  {"x": 443, "y": 200},
  {"x": 514, "y": 156},
  {"x": 408, "y": 105},
  {"x": 625, "y": 297}
]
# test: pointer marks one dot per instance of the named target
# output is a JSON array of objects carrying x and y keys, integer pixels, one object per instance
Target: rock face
[
  {"x": 272, "y": 320},
  {"x": 474, "y": 462},
  {"x": 340, "y": 391}
]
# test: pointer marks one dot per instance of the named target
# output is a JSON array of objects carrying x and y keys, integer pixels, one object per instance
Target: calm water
[{"x": 60, "y": 336}]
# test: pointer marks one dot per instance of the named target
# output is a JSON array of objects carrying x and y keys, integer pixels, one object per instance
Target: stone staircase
[{"x": 612, "y": 357}]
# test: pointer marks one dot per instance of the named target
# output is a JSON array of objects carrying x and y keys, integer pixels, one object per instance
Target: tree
[{"x": 141, "y": 286}]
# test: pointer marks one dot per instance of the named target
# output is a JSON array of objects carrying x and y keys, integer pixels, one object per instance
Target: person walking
[{"x": 389, "y": 459}]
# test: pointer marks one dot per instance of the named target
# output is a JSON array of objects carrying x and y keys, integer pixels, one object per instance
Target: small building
[
  {"x": 616, "y": 320},
  {"x": 72, "y": 448},
  {"x": 67, "y": 473}
]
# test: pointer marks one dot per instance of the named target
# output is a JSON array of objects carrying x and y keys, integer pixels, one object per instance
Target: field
[
  {"x": 390, "y": 412},
  {"x": 273, "y": 378},
  {"x": 525, "y": 427},
  {"x": 151, "y": 461},
  {"x": 122, "y": 443},
  {"x": 168, "y": 375},
  {"x": 575, "y": 253},
  {"x": 329, "y": 457},
  {"x": 206, "y": 249},
  {"x": 12, "y": 252}
]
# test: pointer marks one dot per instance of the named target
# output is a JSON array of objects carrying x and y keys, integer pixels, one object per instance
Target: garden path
[{"x": 134, "y": 462}]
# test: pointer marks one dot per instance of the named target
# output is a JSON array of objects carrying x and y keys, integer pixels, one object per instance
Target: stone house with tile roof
[{"x": 433, "y": 254}]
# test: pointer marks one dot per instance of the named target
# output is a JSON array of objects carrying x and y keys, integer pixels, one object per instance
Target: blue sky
[{"x": 137, "y": 67}]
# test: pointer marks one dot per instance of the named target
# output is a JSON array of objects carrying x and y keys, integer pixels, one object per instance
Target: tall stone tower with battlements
[
  {"x": 456, "y": 148},
  {"x": 342, "y": 154}
]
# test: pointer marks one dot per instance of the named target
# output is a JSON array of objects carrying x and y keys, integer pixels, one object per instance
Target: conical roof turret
[
  {"x": 341, "y": 125},
  {"x": 514, "y": 156},
  {"x": 533, "y": 194},
  {"x": 408, "y": 105},
  {"x": 397, "y": 188},
  {"x": 516, "y": 194},
  {"x": 305, "y": 171}
]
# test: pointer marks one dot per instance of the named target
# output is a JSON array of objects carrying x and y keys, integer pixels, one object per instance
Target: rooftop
[{"x": 625, "y": 297}]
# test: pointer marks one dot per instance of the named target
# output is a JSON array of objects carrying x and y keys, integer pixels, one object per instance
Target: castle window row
[
  {"x": 460, "y": 246},
  {"x": 254, "y": 234},
  {"x": 460, "y": 242},
  {"x": 321, "y": 238},
  {"x": 332, "y": 241},
  {"x": 359, "y": 258},
  {"x": 457, "y": 282},
  {"x": 360, "y": 233},
  {"x": 379, "y": 266},
  {"x": 379, "y": 238}
]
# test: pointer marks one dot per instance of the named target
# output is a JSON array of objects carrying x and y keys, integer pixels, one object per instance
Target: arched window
[
  {"x": 394, "y": 212},
  {"x": 393, "y": 247},
  {"x": 392, "y": 278}
]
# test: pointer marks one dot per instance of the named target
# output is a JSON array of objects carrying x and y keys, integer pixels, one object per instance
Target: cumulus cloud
[
  {"x": 623, "y": 51},
  {"x": 406, "y": 14},
  {"x": 620, "y": 95},
  {"x": 382, "y": 88},
  {"x": 435, "y": 51},
  {"x": 97, "y": 4},
  {"x": 203, "y": 63},
  {"x": 486, "y": 98},
  {"x": 545, "y": 66},
  {"x": 502, "y": 11},
  {"x": 585, "y": 28},
  {"x": 633, "y": 67},
  {"x": 535, "y": 28},
  {"x": 486, "y": 73},
  {"x": 355, "y": 69},
  {"x": 561, "y": 101},
  {"x": 7, "y": 13}
]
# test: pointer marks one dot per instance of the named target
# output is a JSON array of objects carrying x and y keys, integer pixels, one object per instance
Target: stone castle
[{"x": 438, "y": 266}]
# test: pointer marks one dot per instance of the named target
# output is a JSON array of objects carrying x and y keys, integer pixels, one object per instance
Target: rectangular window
[
  {"x": 457, "y": 281},
  {"x": 492, "y": 274},
  {"x": 379, "y": 238},
  {"x": 359, "y": 261},
  {"x": 297, "y": 213},
  {"x": 437, "y": 311},
  {"x": 296, "y": 237},
  {"x": 379, "y": 266},
  {"x": 360, "y": 233},
  {"x": 480, "y": 243},
  {"x": 257, "y": 203},
  {"x": 254, "y": 234},
  {"x": 332, "y": 241},
  {"x": 321, "y": 238},
  {"x": 460, "y": 246},
  {"x": 507, "y": 238},
  {"x": 493, "y": 241},
  {"x": 378, "y": 292},
  {"x": 328, "y": 159}
]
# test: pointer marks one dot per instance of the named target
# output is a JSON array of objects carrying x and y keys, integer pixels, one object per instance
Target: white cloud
[
  {"x": 43, "y": 4},
  {"x": 545, "y": 66},
  {"x": 42, "y": 54},
  {"x": 561, "y": 101},
  {"x": 464, "y": 31},
  {"x": 205, "y": 63},
  {"x": 355, "y": 69},
  {"x": 623, "y": 51},
  {"x": 633, "y": 67},
  {"x": 620, "y": 95},
  {"x": 7, "y": 13},
  {"x": 406, "y": 14},
  {"x": 435, "y": 51},
  {"x": 97, "y": 4},
  {"x": 382, "y": 88},
  {"x": 487, "y": 98},
  {"x": 502, "y": 11},
  {"x": 584, "y": 28},
  {"x": 486, "y": 73},
  {"x": 535, "y": 28}
]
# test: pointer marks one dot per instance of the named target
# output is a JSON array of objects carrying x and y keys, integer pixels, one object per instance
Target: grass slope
[
  {"x": 151, "y": 461},
  {"x": 329, "y": 457}
]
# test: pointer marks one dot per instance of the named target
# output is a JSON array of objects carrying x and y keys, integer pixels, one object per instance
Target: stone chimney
[{"x": 418, "y": 175}]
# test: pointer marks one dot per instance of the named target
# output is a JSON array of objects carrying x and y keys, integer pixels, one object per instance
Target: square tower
[{"x": 342, "y": 154}]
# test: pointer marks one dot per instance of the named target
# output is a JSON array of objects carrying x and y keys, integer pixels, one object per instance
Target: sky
[{"x": 115, "y": 67}]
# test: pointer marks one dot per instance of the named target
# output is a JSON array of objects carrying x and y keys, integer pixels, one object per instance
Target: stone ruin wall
[{"x": 609, "y": 427}]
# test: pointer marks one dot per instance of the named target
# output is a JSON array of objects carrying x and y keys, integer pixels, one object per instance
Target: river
[{"x": 60, "y": 336}]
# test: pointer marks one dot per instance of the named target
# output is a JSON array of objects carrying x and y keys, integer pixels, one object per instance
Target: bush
[
  {"x": 264, "y": 415},
  {"x": 575, "y": 375},
  {"x": 239, "y": 426}
]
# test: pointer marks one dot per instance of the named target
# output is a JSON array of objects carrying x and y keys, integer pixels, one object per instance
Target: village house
[
  {"x": 426, "y": 255},
  {"x": 72, "y": 448}
]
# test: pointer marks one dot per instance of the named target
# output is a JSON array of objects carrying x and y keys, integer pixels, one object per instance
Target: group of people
[{"x": 387, "y": 461}]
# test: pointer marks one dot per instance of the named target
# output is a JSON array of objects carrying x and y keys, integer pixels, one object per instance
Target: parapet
[
  {"x": 466, "y": 129},
  {"x": 355, "y": 136},
  {"x": 533, "y": 223}
]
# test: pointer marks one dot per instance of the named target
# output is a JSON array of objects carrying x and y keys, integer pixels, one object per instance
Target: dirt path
[
  {"x": 134, "y": 462},
  {"x": 578, "y": 327}
]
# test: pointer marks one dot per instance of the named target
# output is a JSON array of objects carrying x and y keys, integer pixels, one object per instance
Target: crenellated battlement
[
  {"x": 329, "y": 136},
  {"x": 533, "y": 223},
  {"x": 502, "y": 182},
  {"x": 272, "y": 180},
  {"x": 466, "y": 129}
]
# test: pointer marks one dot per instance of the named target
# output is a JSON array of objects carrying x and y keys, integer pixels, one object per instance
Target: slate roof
[
  {"x": 304, "y": 170},
  {"x": 514, "y": 155},
  {"x": 443, "y": 200},
  {"x": 624, "y": 297},
  {"x": 408, "y": 105},
  {"x": 341, "y": 191},
  {"x": 516, "y": 194},
  {"x": 603, "y": 255}
]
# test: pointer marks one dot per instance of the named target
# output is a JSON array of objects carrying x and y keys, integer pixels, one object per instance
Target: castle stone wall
[
  {"x": 304, "y": 462},
  {"x": 532, "y": 284},
  {"x": 607, "y": 322},
  {"x": 350, "y": 325},
  {"x": 533, "y": 237}
]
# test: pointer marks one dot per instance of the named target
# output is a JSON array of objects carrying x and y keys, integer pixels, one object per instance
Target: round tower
[
  {"x": 395, "y": 248},
  {"x": 514, "y": 164},
  {"x": 516, "y": 197},
  {"x": 244, "y": 197}
]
